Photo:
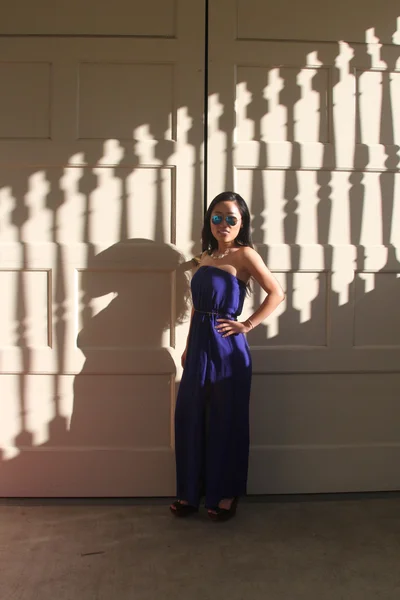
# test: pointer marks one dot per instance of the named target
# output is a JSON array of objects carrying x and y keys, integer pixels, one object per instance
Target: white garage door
[
  {"x": 304, "y": 115},
  {"x": 100, "y": 202}
]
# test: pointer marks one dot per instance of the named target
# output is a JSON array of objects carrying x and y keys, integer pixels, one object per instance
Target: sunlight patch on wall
[
  {"x": 39, "y": 411},
  {"x": 371, "y": 229},
  {"x": 395, "y": 225},
  {"x": 24, "y": 212},
  {"x": 9, "y": 422},
  {"x": 306, "y": 289},
  {"x": 274, "y": 122},
  {"x": 273, "y": 321},
  {"x": 8, "y": 231},
  {"x": 24, "y": 308},
  {"x": 369, "y": 281},
  {"x": 369, "y": 87},
  {"x": 219, "y": 137},
  {"x": 396, "y": 35},
  {"x": 374, "y": 49},
  {"x": 113, "y": 153},
  {"x": 344, "y": 106},
  {"x": 39, "y": 224}
]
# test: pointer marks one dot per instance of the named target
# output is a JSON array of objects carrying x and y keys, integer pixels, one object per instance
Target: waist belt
[{"x": 217, "y": 314}]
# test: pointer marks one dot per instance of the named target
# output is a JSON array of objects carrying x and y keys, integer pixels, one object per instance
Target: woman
[{"x": 212, "y": 409}]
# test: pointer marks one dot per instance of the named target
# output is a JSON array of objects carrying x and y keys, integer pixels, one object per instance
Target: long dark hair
[{"x": 208, "y": 241}]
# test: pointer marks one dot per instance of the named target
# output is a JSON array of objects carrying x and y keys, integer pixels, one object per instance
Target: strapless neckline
[{"x": 224, "y": 271}]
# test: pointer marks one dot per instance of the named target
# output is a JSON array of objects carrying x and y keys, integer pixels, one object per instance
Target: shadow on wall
[
  {"x": 348, "y": 200},
  {"x": 128, "y": 335},
  {"x": 123, "y": 390},
  {"x": 120, "y": 309}
]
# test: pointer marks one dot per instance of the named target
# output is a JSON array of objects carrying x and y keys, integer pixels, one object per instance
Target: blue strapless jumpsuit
[{"x": 212, "y": 408}]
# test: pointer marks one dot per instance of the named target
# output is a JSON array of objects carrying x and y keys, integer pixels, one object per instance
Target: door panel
[
  {"x": 303, "y": 122},
  {"x": 121, "y": 18},
  {"x": 100, "y": 195}
]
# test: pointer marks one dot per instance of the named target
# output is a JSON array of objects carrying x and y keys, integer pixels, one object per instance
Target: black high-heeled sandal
[
  {"x": 223, "y": 514},
  {"x": 182, "y": 510}
]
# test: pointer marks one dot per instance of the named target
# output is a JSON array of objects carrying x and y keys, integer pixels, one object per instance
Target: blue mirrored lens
[{"x": 230, "y": 219}]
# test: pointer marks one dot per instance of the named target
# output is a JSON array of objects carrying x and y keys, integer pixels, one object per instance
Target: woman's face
[{"x": 226, "y": 221}]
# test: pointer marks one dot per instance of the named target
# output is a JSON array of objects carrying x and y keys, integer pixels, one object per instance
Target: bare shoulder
[
  {"x": 249, "y": 255},
  {"x": 253, "y": 263},
  {"x": 198, "y": 259},
  {"x": 248, "y": 252},
  {"x": 203, "y": 255}
]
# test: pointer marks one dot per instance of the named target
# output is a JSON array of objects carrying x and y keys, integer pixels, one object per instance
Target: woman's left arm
[{"x": 255, "y": 266}]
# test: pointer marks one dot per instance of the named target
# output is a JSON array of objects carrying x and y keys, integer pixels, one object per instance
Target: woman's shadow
[{"x": 122, "y": 396}]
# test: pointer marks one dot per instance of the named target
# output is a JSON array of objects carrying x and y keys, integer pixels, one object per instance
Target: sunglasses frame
[{"x": 220, "y": 218}]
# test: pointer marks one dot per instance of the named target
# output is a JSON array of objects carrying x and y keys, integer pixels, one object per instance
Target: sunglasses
[{"x": 230, "y": 219}]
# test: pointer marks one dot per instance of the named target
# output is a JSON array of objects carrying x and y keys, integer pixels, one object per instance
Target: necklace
[{"x": 217, "y": 256}]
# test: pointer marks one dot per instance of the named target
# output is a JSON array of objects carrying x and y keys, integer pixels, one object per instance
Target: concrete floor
[{"x": 312, "y": 550}]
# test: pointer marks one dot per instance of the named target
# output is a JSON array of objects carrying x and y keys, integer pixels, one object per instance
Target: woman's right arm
[
  {"x": 190, "y": 326},
  {"x": 197, "y": 261},
  {"x": 183, "y": 357}
]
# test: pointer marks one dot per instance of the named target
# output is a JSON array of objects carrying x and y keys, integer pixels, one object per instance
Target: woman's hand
[
  {"x": 183, "y": 358},
  {"x": 227, "y": 327}
]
